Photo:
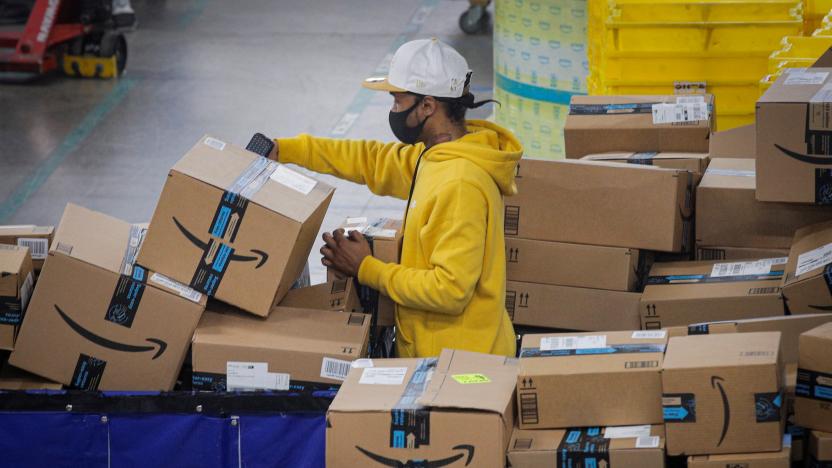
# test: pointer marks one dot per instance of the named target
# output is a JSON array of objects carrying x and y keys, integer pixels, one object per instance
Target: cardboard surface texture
[
  {"x": 333, "y": 295},
  {"x": 813, "y": 394},
  {"x": 12, "y": 378},
  {"x": 37, "y": 238},
  {"x": 781, "y": 459},
  {"x": 457, "y": 408},
  {"x": 807, "y": 286},
  {"x": 96, "y": 320},
  {"x": 739, "y": 142},
  {"x": 723, "y": 394},
  {"x": 611, "y": 204},
  {"x": 561, "y": 376},
  {"x": 693, "y": 162},
  {"x": 16, "y": 285},
  {"x": 234, "y": 225},
  {"x": 820, "y": 449},
  {"x": 601, "y": 124}
]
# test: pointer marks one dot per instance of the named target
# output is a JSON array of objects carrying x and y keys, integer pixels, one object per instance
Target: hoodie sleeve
[
  {"x": 386, "y": 168},
  {"x": 456, "y": 229}
]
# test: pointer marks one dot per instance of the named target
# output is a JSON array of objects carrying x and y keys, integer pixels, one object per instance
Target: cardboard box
[
  {"x": 683, "y": 293},
  {"x": 739, "y": 142},
  {"x": 37, "y": 238},
  {"x": 564, "y": 264},
  {"x": 291, "y": 349},
  {"x": 781, "y": 459},
  {"x": 601, "y": 124},
  {"x": 385, "y": 238},
  {"x": 806, "y": 287},
  {"x": 601, "y": 203},
  {"x": 820, "y": 449},
  {"x": 337, "y": 295},
  {"x": 16, "y": 284},
  {"x": 234, "y": 225},
  {"x": 12, "y": 378},
  {"x": 693, "y": 162},
  {"x": 727, "y": 214},
  {"x": 813, "y": 394},
  {"x": 626, "y": 447},
  {"x": 457, "y": 409},
  {"x": 561, "y": 376},
  {"x": 723, "y": 394},
  {"x": 569, "y": 308},
  {"x": 793, "y": 146},
  {"x": 737, "y": 253},
  {"x": 96, "y": 321}
]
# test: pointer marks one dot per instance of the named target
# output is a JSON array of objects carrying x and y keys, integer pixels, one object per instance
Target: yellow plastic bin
[
  {"x": 682, "y": 66},
  {"x": 798, "y": 51},
  {"x": 705, "y": 10}
]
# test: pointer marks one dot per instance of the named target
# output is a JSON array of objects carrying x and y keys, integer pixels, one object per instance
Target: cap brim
[{"x": 381, "y": 84}]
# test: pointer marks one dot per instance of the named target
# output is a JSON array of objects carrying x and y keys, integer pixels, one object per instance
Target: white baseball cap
[{"x": 425, "y": 66}]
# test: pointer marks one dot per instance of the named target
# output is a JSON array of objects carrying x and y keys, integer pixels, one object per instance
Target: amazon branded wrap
[
  {"x": 813, "y": 402},
  {"x": 234, "y": 225},
  {"x": 98, "y": 320}
]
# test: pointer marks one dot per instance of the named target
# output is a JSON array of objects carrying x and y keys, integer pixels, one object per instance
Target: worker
[{"x": 450, "y": 285}]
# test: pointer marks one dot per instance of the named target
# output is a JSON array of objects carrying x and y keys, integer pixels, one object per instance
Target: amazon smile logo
[
  {"x": 467, "y": 452},
  {"x": 259, "y": 256},
  {"x": 716, "y": 382},
  {"x": 805, "y": 158},
  {"x": 159, "y": 345}
]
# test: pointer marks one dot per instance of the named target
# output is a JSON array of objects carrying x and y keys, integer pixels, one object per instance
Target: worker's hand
[
  {"x": 344, "y": 254},
  {"x": 275, "y": 151}
]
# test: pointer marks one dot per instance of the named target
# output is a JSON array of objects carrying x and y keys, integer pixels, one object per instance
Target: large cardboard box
[
  {"x": 338, "y": 294},
  {"x": 601, "y": 203},
  {"x": 619, "y": 447},
  {"x": 96, "y": 320},
  {"x": 723, "y": 394},
  {"x": 601, "y": 124},
  {"x": 454, "y": 410},
  {"x": 37, "y": 238},
  {"x": 781, "y": 459},
  {"x": 693, "y": 162},
  {"x": 569, "y": 308},
  {"x": 807, "y": 285},
  {"x": 561, "y": 374},
  {"x": 793, "y": 142},
  {"x": 579, "y": 265},
  {"x": 813, "y": 394},
  {"x": 16, "y": 284},
  {"x": 298, "y": 349},
  {"x": 682, "y": 293},
  {"x": 727, "y": 214},
  {"x": 234, "y": 225},
  {"x": 820, "y": 449},
  {"x": 737, "y": 253}
]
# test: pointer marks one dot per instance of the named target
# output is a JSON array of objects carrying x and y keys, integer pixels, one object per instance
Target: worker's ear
[{"x": 429, "y": 106}]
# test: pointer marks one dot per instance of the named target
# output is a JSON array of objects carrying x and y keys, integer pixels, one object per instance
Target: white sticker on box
[
  {"x": 649, "y": 334},
  {"x": 26, "y": 291},
  {"x": 551, "y": 343},
  {"x": 249, "y": 376},
  {"x": 12, "y": 227},
  {"x": 805, "y": 78},
  {"x": 335, "y": 369},
  {"x": 38, "y": 248},
  {"x": 754, "y": 267},
  {"x": 666, "y": 113},
  {"x": 383, "y": 376},
  {"x": 731, "y": 172},
  {"x": 361, "y": 220},
  {"x": 690, "y": 99},
  {"x": 815, "y": 258},
  {"x": 214, "y": 143},
  {"x": 362, "y": 363},
  {"x": 184, "y": 291},
  {"x": 648, "y": 442},
  {"x": 626, "y": 432},
  {"x": 294, "y": 180},
  {"x": 383, "y": 233}
]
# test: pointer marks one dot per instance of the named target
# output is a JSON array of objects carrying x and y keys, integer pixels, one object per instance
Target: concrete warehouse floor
[{"x": 225, "y": 68}]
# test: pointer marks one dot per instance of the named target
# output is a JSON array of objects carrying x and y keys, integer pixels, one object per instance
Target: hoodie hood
[{"x": 489, "y": 146}]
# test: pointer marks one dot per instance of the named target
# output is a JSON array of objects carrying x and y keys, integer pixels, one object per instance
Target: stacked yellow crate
[
  {"x": 814, "y": 12},
  {"x": 797, "y": 52},
  {"x": 673, "y": 46}
]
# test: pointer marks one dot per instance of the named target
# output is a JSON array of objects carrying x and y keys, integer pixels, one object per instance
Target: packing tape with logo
[
  {"x": 127, "y": 296},
  {"x": 631, "y": 348},
  {"x": 88, "y": 373},
  {"x": 410, "y": 421},
  {"x": 707, "y": 278},
  {"x": 679, "y": 407},
  {"x": 814, "y": 385},
  {"x": 583, "y": 447},
  {"x": 644, "y": 159},
  {"x": 768, "y": 406},
  {"x": 612, "y": 109},
  {"x": 11, "y": 310}
]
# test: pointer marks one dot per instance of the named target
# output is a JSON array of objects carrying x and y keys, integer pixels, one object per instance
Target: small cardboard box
[
  {"x": 292, "y": 348},
  {"x": 793, "y": 142},
  {"x": 723, "y": 394},
  {"x": 578, "y": 265},
  {"x": 96, "y": 320},
  {"x": 457, "y": 409},
  {"x": 619, "y": 447},
  {"x": 820, "y": 449},
  {"x": 16, "y": 284},
  {"x": 693, "y": 162},
  {"x": 806, "y": 286},
  {"x": 561, "y": 374},
  {"x": 737, "y": 253},
  {"x": 781, "y": 459},
  {"x": 600, "y": 203},
  {"x": 727, "y": 214},
  {"x": 234, "y": 225},
  {"x": 569, "y": 308},
  {"x": 813, "y": 394},
  {"x": 338, "y": 294},
  {"x": 37, "y": 238},
  {"x": 682, "y": 293},
  {"x": 601, "y": 124}
]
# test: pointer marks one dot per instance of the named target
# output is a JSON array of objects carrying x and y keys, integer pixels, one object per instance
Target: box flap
[
  {"x": 811, "y": 252},
  {"x": 286, "y": 191},
  {"x": 355, "y": 396},
  {"x": 92, "y": 237},
  {"x": 723, "y": 350},
  {"x": 739, "y": 142},
  {"x": 12, "y": 258},
  {"x": 730, "y": 173},
  {"x": 467, "y": 380},
  {"x": 797, "y": 86}
]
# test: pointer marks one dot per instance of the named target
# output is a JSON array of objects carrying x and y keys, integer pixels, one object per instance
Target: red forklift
[{"x": 82, "y": 38}]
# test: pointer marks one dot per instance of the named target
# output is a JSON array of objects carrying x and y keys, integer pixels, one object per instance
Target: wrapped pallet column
[{"x": 540, "y": 61}]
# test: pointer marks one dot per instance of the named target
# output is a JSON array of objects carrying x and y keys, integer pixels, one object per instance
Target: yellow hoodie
[{"x": 450, "y": 284}]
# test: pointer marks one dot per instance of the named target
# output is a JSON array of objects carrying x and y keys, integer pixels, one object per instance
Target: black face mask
[{"x": 398, "y": 123}]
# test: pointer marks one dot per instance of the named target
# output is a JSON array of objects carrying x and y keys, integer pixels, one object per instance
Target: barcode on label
[
  {"x": 214, "y": 143},
  {"x": 338, "y": 286},
  {"x": 38, "y": 248},
  {"x": 758, "y": 291},
  {"x": 647, "y": 442},
  {"x": 26, "y": 291},
  {"x": 335, "y": 369},
  {"x": 641, "y": 364},
  {"x": 680, "y": 112},
  {"x": 755, "y": 267},
  {"x": 756, "y": 353},
  {"x": 184, "y": 291},
  {"x": 549, "y": 343},
  {"x": 512, "y": 220}
]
